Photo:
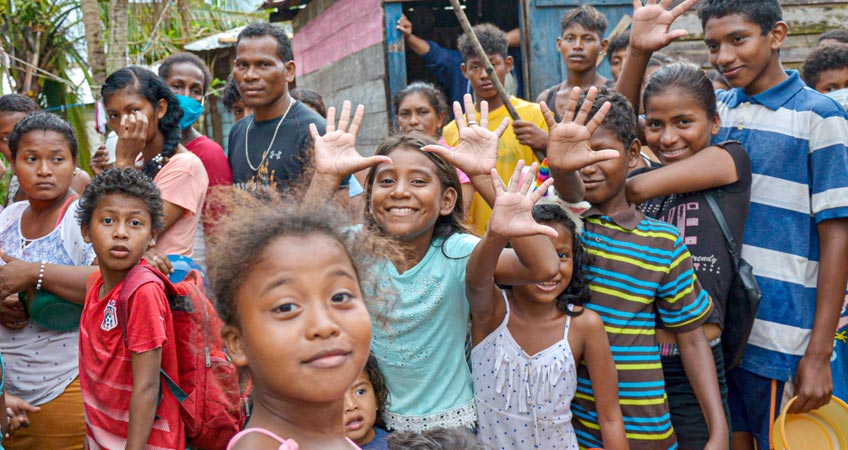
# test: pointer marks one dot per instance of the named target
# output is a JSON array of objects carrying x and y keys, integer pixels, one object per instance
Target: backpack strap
[
  {"x": 64, "y": 209},
  {"x": 725, "y": 229},
  {"x": 138, "y": 276}
]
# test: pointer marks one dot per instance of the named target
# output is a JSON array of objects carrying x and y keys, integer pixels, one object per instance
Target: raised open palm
[
  {"x": 335, "y": 152},
  {"x": 568, "y": 141},
  {"x": 651, "y": 24},
  {"x": 512, "y": 214},
  {"x": 477, "y": 151}
]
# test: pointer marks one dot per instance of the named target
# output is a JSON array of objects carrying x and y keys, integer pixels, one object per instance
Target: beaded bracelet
[{"x": 40, "y": 276}]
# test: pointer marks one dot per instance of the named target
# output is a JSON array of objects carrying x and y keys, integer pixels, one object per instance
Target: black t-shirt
[
  {"x": 700, "y": 230},
  {"x": 284, "y": 161}
]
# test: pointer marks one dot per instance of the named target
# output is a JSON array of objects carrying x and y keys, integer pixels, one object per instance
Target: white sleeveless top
[{"x": 524, "y": 401}]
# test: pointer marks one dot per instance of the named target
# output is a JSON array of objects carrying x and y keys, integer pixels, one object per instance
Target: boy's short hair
[
  {"x": 231, "y": 94},
  {"x": 129, "y": 182},
  {"x": 619, "y": 42},
  {"x": 311, "y": 99},
  {"x": 259, "y": 29},
  {"x": 764, "y": 13},
  {"x": 840, "y": 35},
  {"x": 42, "y": 121},
  {"x": 435, "y": 439},
  {"x": 824, "y": 58},
  {"x": 492, "y": 39},
  {"x": 620, "y": 120},
  {"x": 18, "y": 103},
  {"x": 587, "y": 17}
]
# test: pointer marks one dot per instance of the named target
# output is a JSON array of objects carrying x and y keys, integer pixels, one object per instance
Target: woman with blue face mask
[{"x": 189, "y": 78}]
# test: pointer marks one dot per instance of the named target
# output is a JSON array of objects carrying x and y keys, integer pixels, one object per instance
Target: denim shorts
[{"x": 688, "y": 420}]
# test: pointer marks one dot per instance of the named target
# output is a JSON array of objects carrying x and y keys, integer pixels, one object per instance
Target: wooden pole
[{"x": 481, "y": 54}]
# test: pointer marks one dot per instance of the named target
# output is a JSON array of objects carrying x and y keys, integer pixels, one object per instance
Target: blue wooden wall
[{"x": 546, "y": 65}]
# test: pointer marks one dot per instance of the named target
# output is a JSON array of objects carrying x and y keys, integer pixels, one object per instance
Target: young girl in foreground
[
  {"x": 414, "y": 197},
  {"x": 680, "y": 106},
  {"x": 297, "y": 324},
  {"x": 526, "y": 348}
]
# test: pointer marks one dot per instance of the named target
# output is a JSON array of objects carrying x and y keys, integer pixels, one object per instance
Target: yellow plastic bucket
[{"x": 825, "y": 428}]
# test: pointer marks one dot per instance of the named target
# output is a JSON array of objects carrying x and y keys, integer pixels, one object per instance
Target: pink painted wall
[{"x": 342, "y": 29}]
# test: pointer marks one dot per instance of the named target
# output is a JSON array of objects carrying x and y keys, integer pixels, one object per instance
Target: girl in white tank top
[{"x": 527, "y": 342}]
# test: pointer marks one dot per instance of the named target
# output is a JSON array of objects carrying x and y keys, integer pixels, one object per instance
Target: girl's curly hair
[{"x": 577, "y": 292}]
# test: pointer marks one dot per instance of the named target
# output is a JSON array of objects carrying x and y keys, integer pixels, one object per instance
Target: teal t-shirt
[{"x": 420, "y": 341}]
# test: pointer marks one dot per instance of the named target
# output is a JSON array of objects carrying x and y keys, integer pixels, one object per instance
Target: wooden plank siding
[{"x": 340, "y": 53}]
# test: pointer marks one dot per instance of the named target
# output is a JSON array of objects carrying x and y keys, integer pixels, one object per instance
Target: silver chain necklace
[{"x": 274, "y": 138}]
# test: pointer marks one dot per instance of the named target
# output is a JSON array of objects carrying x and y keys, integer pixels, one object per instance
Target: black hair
[
  {"x": 311, "y": 99},
  {"x": 42, "y": 121},
  {"x": 577, "y": 292},
  {"x": 492, "y": 39},
  {"x": 378, "y": 382},
  {"x": 840, "y": 35},
  {"x": 231, "y": 94},
  {"x": 620, "y": 42},
  {"x": 260, "y": 29},
  {"x": 686, "y": 77},
  {"x": 587, "y": 17},
  {"x": 765, "y": 13},
  {"x": 190, "y": 58},
  {"x": 128, "y": 182},
  {"x": 18, "y": 103},
  {"x": 435, "y": 439},
  {"x": 433, "y": 95},
  {"x": 659, "y": 59},
  {"x": 147, "y": 84},
  {"x": 826, "y": 57},
  {"x": 448, "y": 178},
  {"x": 620, "y": 120}
]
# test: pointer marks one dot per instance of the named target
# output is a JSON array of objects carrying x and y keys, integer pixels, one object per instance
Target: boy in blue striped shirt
[{"x": 642, "y": 276}]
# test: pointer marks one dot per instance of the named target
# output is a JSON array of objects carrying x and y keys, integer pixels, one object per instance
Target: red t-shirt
[
  {"x": 106, "y": 365},
  {"x": 214, "y": 160}
]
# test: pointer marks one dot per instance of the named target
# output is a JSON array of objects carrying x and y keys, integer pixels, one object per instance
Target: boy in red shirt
[{"x": 125, "y": 406}]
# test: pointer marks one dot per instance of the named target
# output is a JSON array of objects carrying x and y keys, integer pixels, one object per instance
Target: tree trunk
[
  {"x": 118, "y": 35},
  {"x": 185, "y": 20},
  {"x": 94, "y": 41}
]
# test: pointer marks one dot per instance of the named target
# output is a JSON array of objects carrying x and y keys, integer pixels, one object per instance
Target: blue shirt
[
  {"x": 796, "y": 138},
  {"x": 379, "y": 441},
  {"x": 419, "y": 338},
  {"x": 445, "y": 64}
]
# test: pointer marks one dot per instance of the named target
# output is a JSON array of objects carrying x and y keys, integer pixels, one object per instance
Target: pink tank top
[{"x": 285, "y": 444}]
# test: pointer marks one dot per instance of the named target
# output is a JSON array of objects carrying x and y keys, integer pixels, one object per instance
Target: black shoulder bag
[{"x": 743, "y": 299}]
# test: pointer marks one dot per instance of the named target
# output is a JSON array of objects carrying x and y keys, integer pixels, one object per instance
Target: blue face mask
[{"x": 192, "y": 110}]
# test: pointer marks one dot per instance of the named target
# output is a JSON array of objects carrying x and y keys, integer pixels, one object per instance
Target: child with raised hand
[
  {"x": 290, "y": 274},
  {"x": 121, "y": 214},
  {"x": 528, "y": 338},
  {"x": 365, "y": 399},
  {"x": 681, "y": 117},
  {"x": 414, "y": 198},
  {"x": 642, "y": 277}
]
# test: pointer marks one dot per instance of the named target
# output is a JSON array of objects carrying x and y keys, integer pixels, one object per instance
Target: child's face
[
  {"x": 475, "y": 72},
  {"x": 580, "y": 48},
  {"x": 240, "y": 110},
  {"x": 740, "y": 52},
  {"x": 303, "y": 329},
  {"x": 120, "y": 231},
  {"x": 125, "y": 103},
  {"x": 415, "y": 113},
  {"x": 186, "y": 79},
  {"x": 8, "y": 120},
  {"x": 44, "y": 165},
  {"x": 604, "y": 181},
  {"x": 616, "y": 58},
  {"x": 677, "y": 126},
  {"x": 548, "y": 291},
  {"x": 360, "y": 410},
  {"x": 407, "y": 197},
  {"x": 832, "y": 80}
]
